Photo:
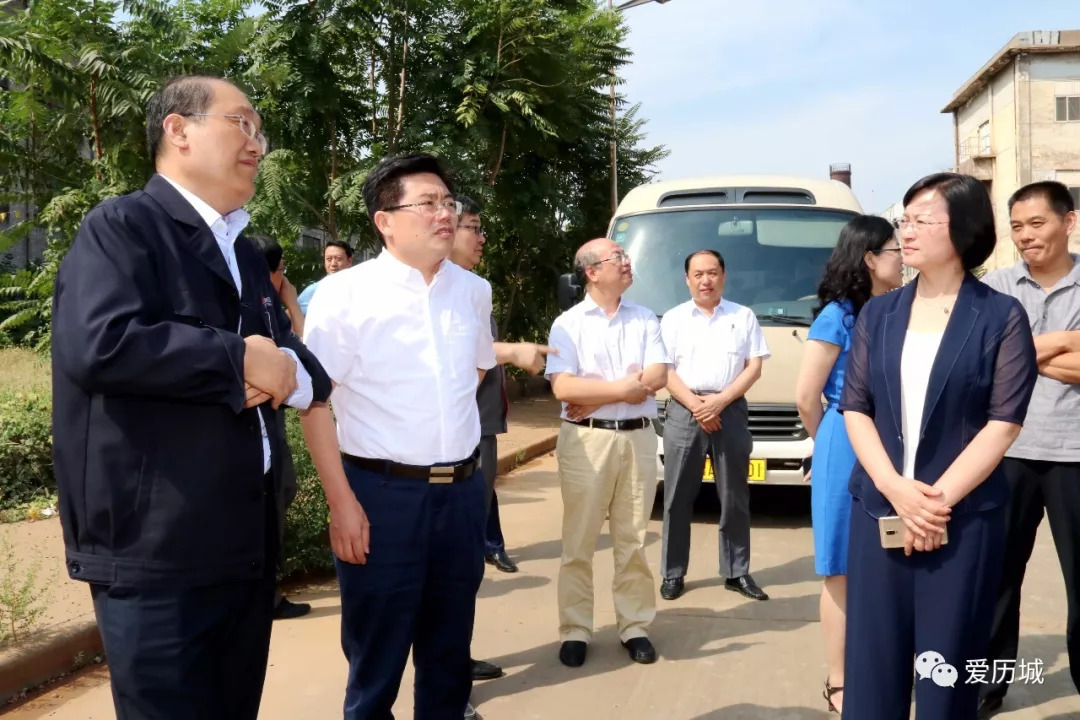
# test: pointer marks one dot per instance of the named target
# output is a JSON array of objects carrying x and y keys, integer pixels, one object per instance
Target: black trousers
[
  {"x": 190, "y": 652},
  {"x": 1035, "y": 485},
  {"x": 186, "y": 653}
]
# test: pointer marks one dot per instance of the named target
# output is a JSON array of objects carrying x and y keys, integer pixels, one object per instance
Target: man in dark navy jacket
[{"x": 170, "y": 353}]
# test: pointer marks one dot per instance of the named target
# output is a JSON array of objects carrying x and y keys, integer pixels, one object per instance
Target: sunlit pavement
[{"x": 722, "y": 656}]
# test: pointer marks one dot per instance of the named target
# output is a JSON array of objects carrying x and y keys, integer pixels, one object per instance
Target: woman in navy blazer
[{"x": 937, "y": 386}]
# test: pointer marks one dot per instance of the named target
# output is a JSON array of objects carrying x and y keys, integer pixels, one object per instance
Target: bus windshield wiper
[{"x": 786, "y": 319}]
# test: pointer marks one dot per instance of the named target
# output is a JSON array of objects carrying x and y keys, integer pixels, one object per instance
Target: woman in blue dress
[{"x": 865, "y": 262}]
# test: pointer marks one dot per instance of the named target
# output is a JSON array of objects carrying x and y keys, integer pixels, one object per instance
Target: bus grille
[{"x": 775, "y": 422}]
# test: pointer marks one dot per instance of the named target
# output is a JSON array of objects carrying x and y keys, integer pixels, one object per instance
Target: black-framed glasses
[
  {"x": 246, "y": 126},
  {"x": 473, "y": 228},
  {"x": 431, "y": 207},
  {"x": 895, "y": 250}
]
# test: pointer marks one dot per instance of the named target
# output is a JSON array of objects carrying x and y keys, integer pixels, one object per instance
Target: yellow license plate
[{"x": 756, "y": 472}]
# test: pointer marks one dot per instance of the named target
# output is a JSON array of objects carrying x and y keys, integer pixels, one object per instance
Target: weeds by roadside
[
  {"x": 22, "y": 591},
  {"x": 40, "y": 508},
  {"x": 23, "y": 370}
]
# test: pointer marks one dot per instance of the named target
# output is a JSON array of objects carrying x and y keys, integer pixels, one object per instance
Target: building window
[
  {"x": 984, "y": 139},
  {"x": 1075, "y": 192},
  {"x": 1068, "y": 109}
]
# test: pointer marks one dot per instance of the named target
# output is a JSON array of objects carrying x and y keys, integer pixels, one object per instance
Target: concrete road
[{"x": 722, "y": 656}]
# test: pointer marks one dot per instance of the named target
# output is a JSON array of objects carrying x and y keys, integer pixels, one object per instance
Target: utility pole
[{"x": 614, "y": 143}]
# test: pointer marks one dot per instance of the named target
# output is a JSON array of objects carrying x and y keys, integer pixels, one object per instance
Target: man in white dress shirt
[
  {"x": 405, "y": 338},
  {"x": 716, "y": 349},
  {"x": 610, "y": 362}
]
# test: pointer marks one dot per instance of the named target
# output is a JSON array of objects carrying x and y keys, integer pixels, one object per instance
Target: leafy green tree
[{"x": 512, "y": 94}]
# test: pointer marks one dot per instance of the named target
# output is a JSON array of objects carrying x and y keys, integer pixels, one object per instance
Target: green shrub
[
  {"x": 26, "y": 470},
  {"x": 307, "y": 541}
]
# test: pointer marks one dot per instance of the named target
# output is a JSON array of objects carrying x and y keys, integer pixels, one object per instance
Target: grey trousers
[
  {"x": 685, "y": 447},
  {"x": 489, "y": 465}
]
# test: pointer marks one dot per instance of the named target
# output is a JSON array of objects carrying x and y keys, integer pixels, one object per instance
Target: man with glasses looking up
[
  {"x": 406, "y": 340},
  {"x": 608, "y": 365},
  {"x": 171, "y": 357}
]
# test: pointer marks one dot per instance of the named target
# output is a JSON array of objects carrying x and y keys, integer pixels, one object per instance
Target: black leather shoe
[
  {"x": 286, "y": 610},
  {"x": 988, "y": 706},
  {"x": 572, "y": 653},
  {"x": 485, "y": 671},
  {"x": 671, "y": 588},
  {"x": 745, "y": 585},
  {"x": 641, "y": 650},
  {"x": 501, "y": 561}
]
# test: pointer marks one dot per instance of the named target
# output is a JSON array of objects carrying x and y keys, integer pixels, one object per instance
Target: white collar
[
  {"x": 590, "y": 305},
  {"x": 404, "y": 272},
  {"x": 235, "y": 221}
]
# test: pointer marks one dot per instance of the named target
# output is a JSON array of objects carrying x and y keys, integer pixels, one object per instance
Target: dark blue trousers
[
  {"x": 493, "y": 535},
  {"x": 901, "y": 607},
  {"x": 417, "y": 591},
  {"x": 188, "y": 652}
]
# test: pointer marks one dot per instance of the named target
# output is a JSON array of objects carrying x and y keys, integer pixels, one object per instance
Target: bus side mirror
[{"x": 569, "y": 291}]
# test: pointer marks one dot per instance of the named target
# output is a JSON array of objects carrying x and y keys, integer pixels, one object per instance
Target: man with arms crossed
[
  {"x": 610, "y": 363},
  {"x": 406, "y": 339},
  {"x": 716, "y": 349},
  {"x": 171, "y": 354},
  {"x": 1043, "y": 465}
]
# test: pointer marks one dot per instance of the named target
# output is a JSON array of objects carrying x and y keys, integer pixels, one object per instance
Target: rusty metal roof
[{"x": 1033, "y": 41}]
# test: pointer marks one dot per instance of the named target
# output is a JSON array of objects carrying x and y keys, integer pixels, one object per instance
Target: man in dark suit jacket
[{"x": 171, "y": 354}]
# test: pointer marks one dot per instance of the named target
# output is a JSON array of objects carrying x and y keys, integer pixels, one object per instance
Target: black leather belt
[
  {"x": 431, "y": 473},
  {"x": 635, "y": 424}
]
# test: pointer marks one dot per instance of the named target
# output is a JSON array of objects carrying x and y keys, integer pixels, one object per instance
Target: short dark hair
[
  {"x": 383, "y": 187},
  {"x": 468, "y": 205},
  {"x": 971, "y": 214},
  {"x": 707, "y": 251},
  {"x": 846, "y": 275},
  {"x": 1057, "y": 196},
  {"x": 271, "y": 250},
  {"x": 339, "y": 244},
  {"x": 182, "y": 95}
]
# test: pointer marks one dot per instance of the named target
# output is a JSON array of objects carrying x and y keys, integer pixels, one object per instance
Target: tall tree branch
[
  {"x": 331, "y": 224},
  {"x": 401, "y": 90}
]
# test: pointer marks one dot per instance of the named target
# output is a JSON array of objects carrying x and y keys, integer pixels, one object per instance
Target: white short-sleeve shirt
[
  {"x": 404, "y": 356},
  {"x": 593, "y": 346},
  {"x": 708, "y": 353}
]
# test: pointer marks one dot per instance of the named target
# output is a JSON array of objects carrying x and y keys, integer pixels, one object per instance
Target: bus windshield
[{"x": 774, "y": 256}]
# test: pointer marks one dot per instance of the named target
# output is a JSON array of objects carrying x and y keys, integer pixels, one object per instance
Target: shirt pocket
[
  {"x": 461, "y": 333},
  {"x": 724, "y": 341}
]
